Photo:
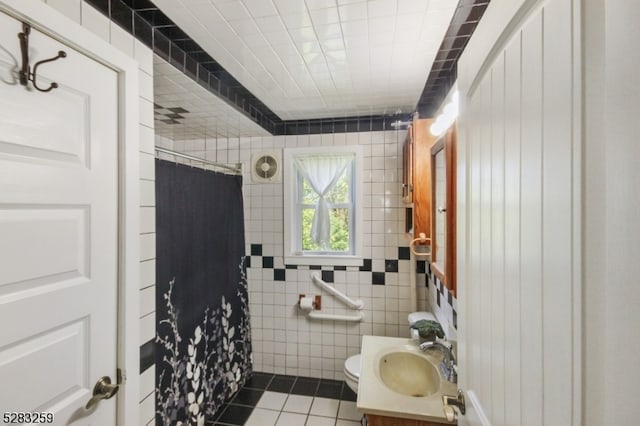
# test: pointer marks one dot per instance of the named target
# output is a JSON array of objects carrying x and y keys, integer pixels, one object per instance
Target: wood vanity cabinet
[
  {"x": 416, "y": 178},
  {"x": 376, "y": 420}
]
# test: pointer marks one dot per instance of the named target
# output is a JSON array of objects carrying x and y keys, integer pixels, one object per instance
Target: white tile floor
[{"x": 279, "y": 409}]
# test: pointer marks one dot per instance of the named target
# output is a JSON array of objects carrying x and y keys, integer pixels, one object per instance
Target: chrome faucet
[{"x": 448, "y": 364}]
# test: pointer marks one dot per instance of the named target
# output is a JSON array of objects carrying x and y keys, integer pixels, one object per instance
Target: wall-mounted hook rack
[{"x": 26, "y": 75}]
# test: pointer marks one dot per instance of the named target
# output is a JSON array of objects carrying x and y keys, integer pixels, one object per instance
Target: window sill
[{"x": 323, "y": 260}]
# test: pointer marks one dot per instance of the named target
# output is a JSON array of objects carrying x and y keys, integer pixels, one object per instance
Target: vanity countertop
[{"x": 374, "y": 397}]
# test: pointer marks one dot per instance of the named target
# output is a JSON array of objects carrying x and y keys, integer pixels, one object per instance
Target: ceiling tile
[
  {"x": 328, "y": 32},
  {"x": 232, "y": 10},
  {"x": 383, "y": 8},
  {"x": 353, "y": 12},
  {"x": 290, "y": 6},
  {"x": 324, "y": 16},
  {"x": 350, "y": 53},
  {"x": 269, "y": 24},
  {"x": 296, "y": 20},
  {"x": 260, "y": 8},
  {"x": 320, "y": 4}
]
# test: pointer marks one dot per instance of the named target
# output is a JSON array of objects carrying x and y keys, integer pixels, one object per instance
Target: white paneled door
[
  {"x": 519, "y": 215},
  {"x": 58, "y": 232}
]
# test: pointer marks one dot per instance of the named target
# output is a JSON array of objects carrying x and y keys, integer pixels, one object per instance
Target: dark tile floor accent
[
  {"x": 305, "y": 386},
  {"x": 281, "y": 384},
  {"x": 330, "y": 389},
  {"x": 241, "y": 405},
  {"x": 247, "y": 396},
  {"x": 234, "y": 414},
  {"x": 259, "y": 381}
]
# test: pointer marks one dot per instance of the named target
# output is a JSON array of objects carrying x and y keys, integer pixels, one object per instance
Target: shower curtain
[{"x": 203, "y": 346}]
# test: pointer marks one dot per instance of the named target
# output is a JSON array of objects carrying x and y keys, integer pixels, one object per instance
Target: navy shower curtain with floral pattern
[{"x": 203, "y": 346}]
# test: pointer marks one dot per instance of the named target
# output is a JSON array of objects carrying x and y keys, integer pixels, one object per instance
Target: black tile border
[
  {"x": 327, "y": 276},
  {"x": 147, "y": 355},
  {"x": 444, "y": 70},
  {"x": 328, "y": 271},
  {"x": 279, "y": 275},
  {"x": 247, "y": 396},
  {"x": 378, "y": 278},
  {"x": 282, "y": 384}
]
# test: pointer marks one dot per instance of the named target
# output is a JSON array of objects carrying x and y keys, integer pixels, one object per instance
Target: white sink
[
  {"x": 398, "y": 380},
  {"x": 408, "y": 373}
]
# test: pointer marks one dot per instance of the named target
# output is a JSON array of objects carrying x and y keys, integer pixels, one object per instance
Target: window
[{"x": 322, "y": 206}]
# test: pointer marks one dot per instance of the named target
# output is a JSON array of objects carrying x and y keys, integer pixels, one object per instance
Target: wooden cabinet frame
[
  {"x": 416, "y": 184},
  {"x": 447, "y": 272}
]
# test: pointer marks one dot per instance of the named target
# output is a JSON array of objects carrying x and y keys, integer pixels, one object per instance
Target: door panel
[
  {"x": 518, "y": 156},
  {"x": 58, "y": 222}
]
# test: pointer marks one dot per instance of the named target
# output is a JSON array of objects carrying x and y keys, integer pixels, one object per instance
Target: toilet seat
[{"x": 352, "y": 367}]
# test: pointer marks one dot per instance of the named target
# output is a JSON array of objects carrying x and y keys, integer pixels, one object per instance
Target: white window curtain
[{"x": 322, "y": 171}]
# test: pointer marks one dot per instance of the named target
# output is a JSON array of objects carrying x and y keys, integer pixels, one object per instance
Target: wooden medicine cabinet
[{"x": 443, "y": 208}]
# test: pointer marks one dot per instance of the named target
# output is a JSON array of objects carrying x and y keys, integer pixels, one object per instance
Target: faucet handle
[{"x": 458, "y": 401}]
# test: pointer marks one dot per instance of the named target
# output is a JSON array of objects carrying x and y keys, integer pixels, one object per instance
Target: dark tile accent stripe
[
  {"x": 259, "y": 381},
  {"x": 444, "y": 69},
  {"x": 235, "y": 414},
  {"x": 403, "y": 253},
  {"x": 147, "y": 355},
  {"x": 330, "y": 389},
  {"x": 348, "y": 394},
  {"x": 281, "y": 384},
  {"x": 327, "y": 276},
  {"x": 366, "y": 265},
  {"x": 390, "y": 265},
  {"x": 378, "y": 278},
  {"x": 307, "y": 386},
  {"x": 247, "y": 396},
  {"x": 267, "y": 262},
  {"x": 279, "y": 275}
]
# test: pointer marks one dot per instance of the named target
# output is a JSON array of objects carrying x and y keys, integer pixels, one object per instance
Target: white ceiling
[
  {"x": 208, "y": 116},
  {"x": 309, "y": 59}
]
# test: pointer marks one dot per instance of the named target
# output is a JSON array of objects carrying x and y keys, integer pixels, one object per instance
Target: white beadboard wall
[
  {"x": 519, "y": 171},
  {"x": 96, "y": 22},
  {"x": 284, "y": 341}
]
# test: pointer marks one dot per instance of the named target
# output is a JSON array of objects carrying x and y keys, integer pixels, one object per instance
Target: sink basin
[
  {"x": 408, "y": 373},
  {"x": 398, "y": 380}
]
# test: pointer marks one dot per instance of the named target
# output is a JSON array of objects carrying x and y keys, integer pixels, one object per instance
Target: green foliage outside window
[{"x": 339, "y": 216}]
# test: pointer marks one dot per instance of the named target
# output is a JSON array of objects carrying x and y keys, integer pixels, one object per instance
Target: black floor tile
[
  {"x": 259, "y": 381},
  {"x": 329, "y": 389},
  {"x": 281, "y": 384},
  {"x": 305, "y": 386},
  {"x": 348, "y": 394},
  {"x": 247, "y": 396},
  {"x": 212, "y": 419},
  {"x": 235, "y": 415}
]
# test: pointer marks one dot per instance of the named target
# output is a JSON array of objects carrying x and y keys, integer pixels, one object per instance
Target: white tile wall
[
  {"x": 284, "y": 341},
  {"x": 97, "y": 23}
]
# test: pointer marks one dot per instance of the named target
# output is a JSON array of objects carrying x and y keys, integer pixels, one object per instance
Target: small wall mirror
[{"x": 443, "y": 205}]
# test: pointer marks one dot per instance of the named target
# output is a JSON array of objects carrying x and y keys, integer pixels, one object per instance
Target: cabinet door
[{"x": 407, "y": 169}]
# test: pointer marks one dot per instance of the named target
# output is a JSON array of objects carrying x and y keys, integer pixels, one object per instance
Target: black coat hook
[{"x": 25, "y": 73}]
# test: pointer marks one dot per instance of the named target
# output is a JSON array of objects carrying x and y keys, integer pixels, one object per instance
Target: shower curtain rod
[{"x": 236, "y": 170}]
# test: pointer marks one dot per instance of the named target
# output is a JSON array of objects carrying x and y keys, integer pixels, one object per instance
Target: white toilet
[{"x": 352, "y": 364}]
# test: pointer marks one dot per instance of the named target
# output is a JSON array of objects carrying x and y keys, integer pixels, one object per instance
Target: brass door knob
[{"x": 103, "y": 389}]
